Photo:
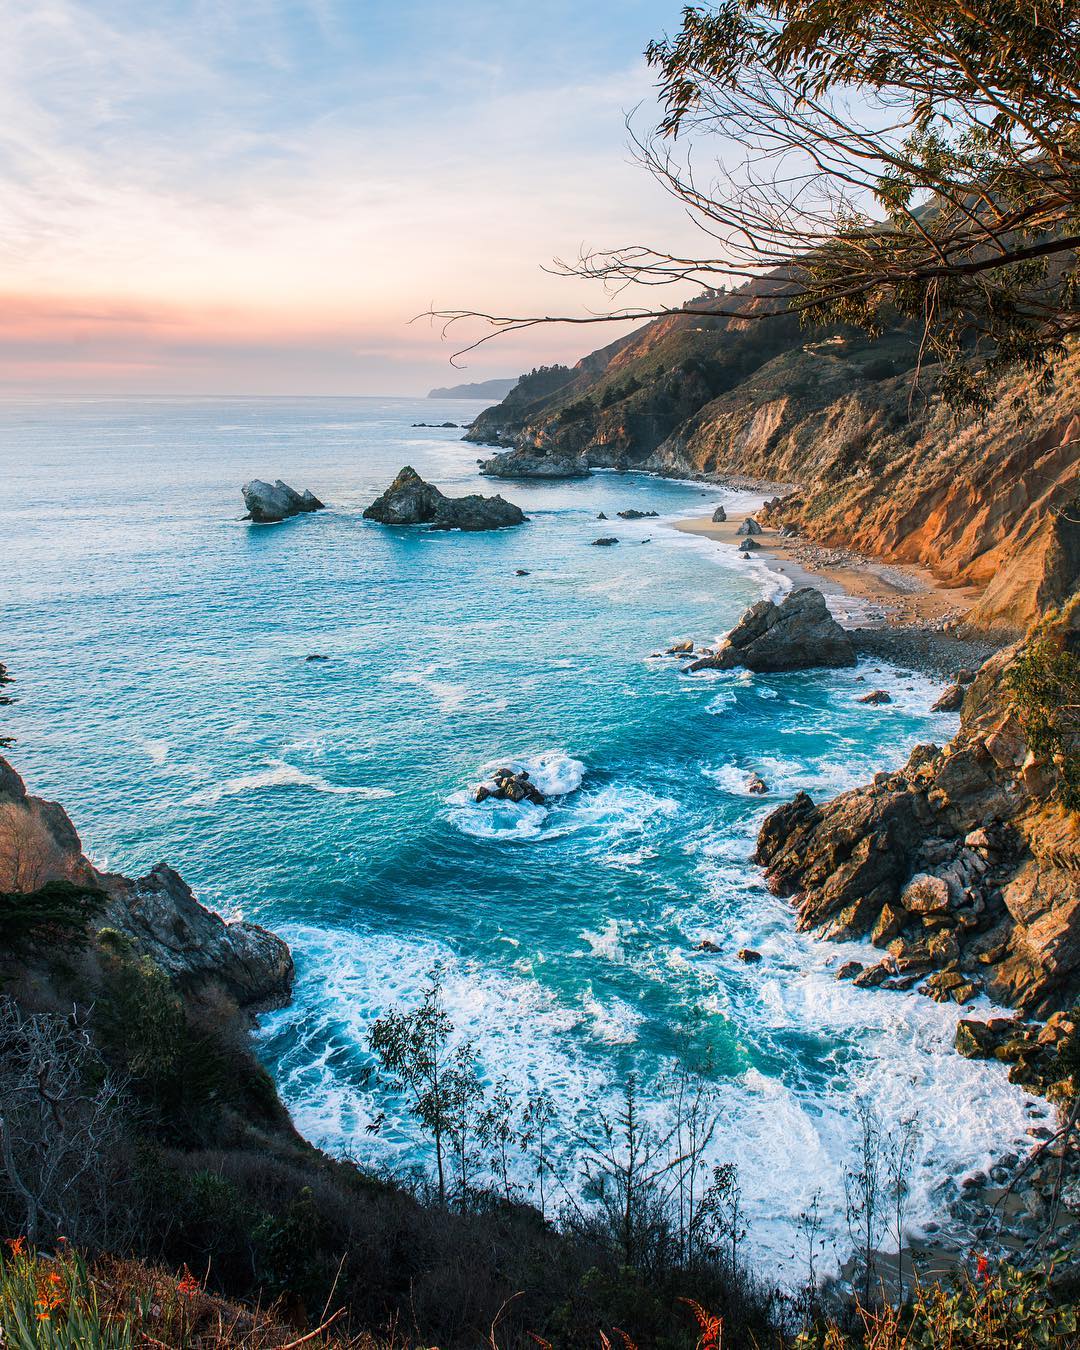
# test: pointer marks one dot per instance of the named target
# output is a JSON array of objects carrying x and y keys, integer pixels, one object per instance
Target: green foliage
[
  {"x": 56, "y": 1306},
  {"x": 58, "y": 912},
  {"x": 1044, "y": 683},
  {"x": 1003, "y": 1310},
  {"x": 946, "y": 191}
]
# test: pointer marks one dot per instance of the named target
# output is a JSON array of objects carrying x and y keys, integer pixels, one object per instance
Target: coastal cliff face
[
  {"x": 965, "y": 864},
  {"x": 156, "y": 916},
  {"x": 866, "y": 455}
]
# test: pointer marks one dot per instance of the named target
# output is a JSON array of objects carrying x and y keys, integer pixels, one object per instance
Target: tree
[
  {"x": 62, "y": 1150},
  {"x": 412, "y": 1048},
  {"x": 539, "y": 1116},
  {"x": 496, "y": 1130},
  {"x": 875, "y": 160}
]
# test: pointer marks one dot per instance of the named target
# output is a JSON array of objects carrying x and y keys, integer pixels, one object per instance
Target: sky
[{"x": 257, "y": 196}]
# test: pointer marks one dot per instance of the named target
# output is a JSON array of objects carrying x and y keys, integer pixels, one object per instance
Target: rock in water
[
  {"x": 634, "y": 514},
  {"x": 748, "y": 955},
  {"x": 535, "y": 464},
  {"x": 476, "y": 513},
  {"x": 749, "y": 526},
  {"x": 952, "y": 700},
  {"x": 268, "y": 503},
  {"x": 410, "y": 501},
  {"x": 508, "y": 786},
  {"x": 719, "y": 516},
  {"x": 877, "y": 696},
  {"x": 797, "y": 635},
  {"x": 757, "y": 785},
  {"x": 605, "y": 542},
  {"x": 407, "y": 501}
]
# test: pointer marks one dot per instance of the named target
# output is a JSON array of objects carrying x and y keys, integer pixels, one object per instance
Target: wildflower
[
  {"x": 982, "y": 1269},
  {"x": 189, "y": 1284},
  {"x": 17, "y": 1246}
]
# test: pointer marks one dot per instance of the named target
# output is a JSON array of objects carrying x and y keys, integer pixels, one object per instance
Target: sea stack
[
  {"x": 410, "y": 501},
  {"x": 269, "y": 503}
]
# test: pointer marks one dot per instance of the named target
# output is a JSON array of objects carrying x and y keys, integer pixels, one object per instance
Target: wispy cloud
[{"x": 281, "y": 178}]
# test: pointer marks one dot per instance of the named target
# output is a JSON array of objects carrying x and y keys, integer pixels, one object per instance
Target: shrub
[
  {"x": 58, "y": 912},
  {"x": 1044, "y": 682}
]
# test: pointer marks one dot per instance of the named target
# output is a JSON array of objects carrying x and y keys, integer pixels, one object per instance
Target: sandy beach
[{"x": 891, "y": 593}]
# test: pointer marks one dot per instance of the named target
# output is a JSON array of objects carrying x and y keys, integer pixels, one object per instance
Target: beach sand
[{"x": 890, "y": 593}]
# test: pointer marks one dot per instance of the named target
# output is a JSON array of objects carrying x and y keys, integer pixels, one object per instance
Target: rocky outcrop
[
  {"x": 964, "y": 865},
  {"x": 157, "y": 914},
  {"x": 798, "y": 634},
  {"x": 509, "y": 785},
  {"x": 873, "y": 458},
  {"x": 719, "y": 516},
  {"x": 410, "y": 501},
  {"x": 535, "y": 463},
  {"x": 270, "y": 503}
]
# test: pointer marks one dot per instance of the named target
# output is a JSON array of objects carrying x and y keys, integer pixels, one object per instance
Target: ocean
[{"x": 160, "y": 645}]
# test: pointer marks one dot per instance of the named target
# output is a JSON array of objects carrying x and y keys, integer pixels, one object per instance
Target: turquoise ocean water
[{"x": 160, "y": 645}]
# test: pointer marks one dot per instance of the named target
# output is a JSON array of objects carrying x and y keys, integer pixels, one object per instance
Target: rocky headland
[
  {"x": 409, "y": 500},
  {"x": 271, "y": 503}
]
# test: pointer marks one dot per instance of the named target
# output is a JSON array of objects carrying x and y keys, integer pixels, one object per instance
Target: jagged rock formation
[
  {"x": 963, "y": 864},
  {"x": 871, "y": 460},
  {"x": 157, "y": 914},
  {"x": 410, "y": 501},
  {"x": 798, "y": 634},
  {"x": 269, "y": 503}
]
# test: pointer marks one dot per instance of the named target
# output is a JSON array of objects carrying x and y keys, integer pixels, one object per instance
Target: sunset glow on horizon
[{"x": 262, "y": 197}]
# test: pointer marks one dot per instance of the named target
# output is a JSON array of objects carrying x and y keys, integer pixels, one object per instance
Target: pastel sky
[{"x": 256, "y": 196}]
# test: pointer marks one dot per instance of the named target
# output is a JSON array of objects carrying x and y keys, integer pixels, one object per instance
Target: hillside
[
  {"x": 480, "y": 389},
  {"x": 870, "y": 456}
]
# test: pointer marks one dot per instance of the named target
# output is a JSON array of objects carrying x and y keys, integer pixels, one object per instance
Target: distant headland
[{"x": 496, "y": 389}]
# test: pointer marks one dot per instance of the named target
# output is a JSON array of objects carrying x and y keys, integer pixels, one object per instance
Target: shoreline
[{"x": 895, "y": 612}]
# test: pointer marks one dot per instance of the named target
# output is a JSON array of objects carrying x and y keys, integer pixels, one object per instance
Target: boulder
[
  {"x": 749, "y": 526},
  {"x": 757, "y": 785},
  {"x": 748, "y": 955},
  {"x": 601, "y": 516},
  {"x": 749, "y": 545},
  {"x": 410, "y": 501},
  {"x": 952, "y": 700},
  {"x": 605, "y": 541},
  {"x": 522, "y": 572},
  {"x": 634, "y": 514},
  {"x": 795, "y": 635},
  {"x": 684, "y": 648},
  {"x": 926, "y": 894},
  {"x": 877, "y": 696},
  {"x": 719, "y": 516},
  {"x": 269, "y": 503},
  {"x": 707, "y": 945},
  {"x": 849, "y": 970}
]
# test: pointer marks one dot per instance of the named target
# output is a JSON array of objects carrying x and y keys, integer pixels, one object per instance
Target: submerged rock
[
  {"x": 795, "y": 635},
  {"x": 757, "y": 785},
  {"x": 748, "y": 955},
  {"x": 877, "y": 696},
  {"x": 707, "y": 945},
  {"x": 605, "y": 541},
  {"x": 410, "y": 501},
  {"x": 635, "y": 514},
  {"x": 269, "y": 503}
]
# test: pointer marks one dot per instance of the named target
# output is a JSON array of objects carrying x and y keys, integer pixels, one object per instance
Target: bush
[
  {"x": 1044, "y": 682},
  {"x": 58, "y": 912},
  {"x": 1006, "y": 1310}
]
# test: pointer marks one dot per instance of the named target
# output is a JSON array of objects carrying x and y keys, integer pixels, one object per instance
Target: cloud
[{"x": 265, "y": 175}]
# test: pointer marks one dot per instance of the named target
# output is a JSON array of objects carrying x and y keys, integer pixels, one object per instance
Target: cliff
[
  {"x": 964, "y": 865},
  {"x": 869, "y": 455}
]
